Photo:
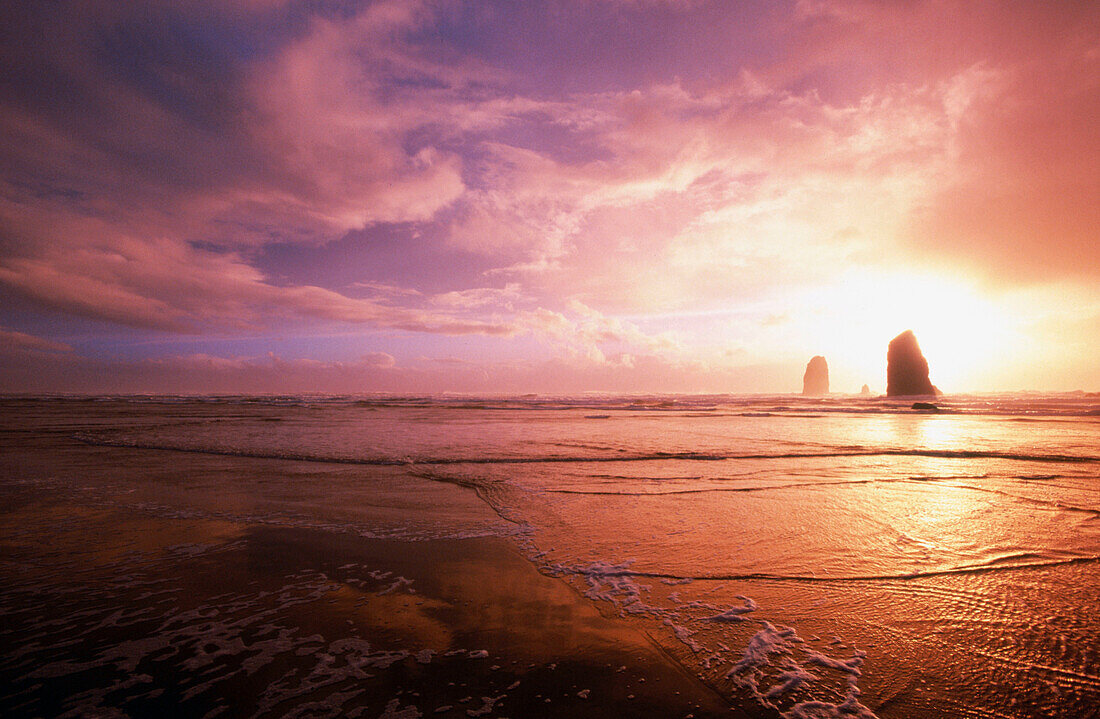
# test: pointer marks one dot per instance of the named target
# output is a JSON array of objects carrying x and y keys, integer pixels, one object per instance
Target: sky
[{"x": 414, "y": 196}]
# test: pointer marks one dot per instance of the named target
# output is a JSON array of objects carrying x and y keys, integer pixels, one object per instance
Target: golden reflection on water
[{"x": 924, "y": 431}]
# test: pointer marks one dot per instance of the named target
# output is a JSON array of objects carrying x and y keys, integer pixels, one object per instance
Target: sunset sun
[{"x": 959, "y": 330}]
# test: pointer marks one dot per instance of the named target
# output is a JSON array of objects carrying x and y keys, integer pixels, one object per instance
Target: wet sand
[
  {"x": 160, "y": 582},
  {"x": 112, "y": 607}
]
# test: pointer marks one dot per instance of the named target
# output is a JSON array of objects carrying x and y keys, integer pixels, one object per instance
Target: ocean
[{"x": 594, "y": 555}]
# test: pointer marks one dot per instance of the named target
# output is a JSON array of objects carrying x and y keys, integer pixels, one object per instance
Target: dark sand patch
[{"x": 280, "y": 621}]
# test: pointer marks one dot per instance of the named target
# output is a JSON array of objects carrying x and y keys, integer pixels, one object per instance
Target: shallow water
[{"x": 845, "y": 556}]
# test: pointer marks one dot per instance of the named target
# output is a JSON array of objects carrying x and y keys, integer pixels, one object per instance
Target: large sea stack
[
  {"x": 816, "y": 380},
  {"x": 906, "y": 368}
]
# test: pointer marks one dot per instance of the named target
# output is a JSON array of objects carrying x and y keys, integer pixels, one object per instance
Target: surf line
[
  {"x": 971, "y": 569},
  {"x": 567, "y": 459}
]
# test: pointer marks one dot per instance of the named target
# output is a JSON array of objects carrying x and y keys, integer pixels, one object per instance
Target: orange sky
[{"x": 417, "y": 196}]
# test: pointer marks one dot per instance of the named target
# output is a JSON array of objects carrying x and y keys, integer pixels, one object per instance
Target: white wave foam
[
  {"x": 776, "y": 666},
  {"x": 735, "y": 614},
  {"x": 394, "y": 710}
]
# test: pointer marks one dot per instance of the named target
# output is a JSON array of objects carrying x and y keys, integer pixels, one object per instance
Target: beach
[
  {"x": 403, "y": 557},
  {"x": 122, "y": 606}
]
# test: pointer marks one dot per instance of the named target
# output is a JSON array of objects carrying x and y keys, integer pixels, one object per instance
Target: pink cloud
[
  {"x": 1019, "y": 200},
  {"x": 21, "y": 342},
  {"x": 504, "y": 298},
  {"x": 708, "y": 197},
  {"x": 170, "y": 286},
  {"x": 378, "y": 359},
  {"x": 585, "y": 332},
  {"x": 305, "y": 146},
  {"x": 1026, "y": 201},
  {"x": 733, "y": 191}
]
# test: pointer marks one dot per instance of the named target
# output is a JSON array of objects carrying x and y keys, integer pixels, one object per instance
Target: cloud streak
[{"x": 23, "y": 343}]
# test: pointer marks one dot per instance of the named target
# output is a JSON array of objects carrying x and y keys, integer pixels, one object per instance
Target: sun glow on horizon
[{"x": 959, "y": 330}]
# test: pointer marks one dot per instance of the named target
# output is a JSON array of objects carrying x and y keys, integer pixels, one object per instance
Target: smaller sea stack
[
  {"x": 816, "y": 380},
  {"x": 906, "y": 368},
  {"x": 865, "y": 391}
]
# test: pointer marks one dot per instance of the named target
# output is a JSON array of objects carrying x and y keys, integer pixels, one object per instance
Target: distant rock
[
  {"x": 906, "y": 368},
  {"x": 865, "y": 391},
  {"x": 926, "y": 407},
  {"x": 816, "y": 380}
]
